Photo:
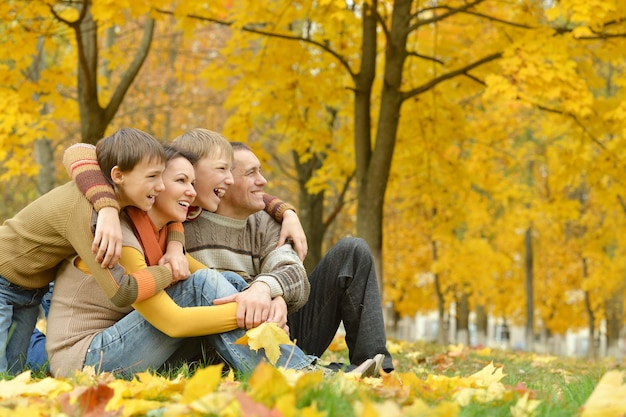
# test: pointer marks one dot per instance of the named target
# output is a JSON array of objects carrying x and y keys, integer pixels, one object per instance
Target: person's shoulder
[
  {"x": 62, "y": 197},
  {"x": 262, "y": 218},
  {"x": 262, "y": 221}
]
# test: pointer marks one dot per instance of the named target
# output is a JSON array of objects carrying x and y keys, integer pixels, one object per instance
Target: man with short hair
[{"x": 242, "y": 238}]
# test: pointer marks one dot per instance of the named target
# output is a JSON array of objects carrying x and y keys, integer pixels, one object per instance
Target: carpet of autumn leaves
[{"x": 429, "y": 381}]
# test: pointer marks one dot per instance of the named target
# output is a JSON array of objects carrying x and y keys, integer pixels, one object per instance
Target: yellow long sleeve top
[{"x": 80, "y": 310}]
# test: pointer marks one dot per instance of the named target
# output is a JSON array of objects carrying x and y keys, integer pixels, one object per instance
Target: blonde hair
[
  {"x": 205, "y": 143},
  {"x": 126, "y": 148}
]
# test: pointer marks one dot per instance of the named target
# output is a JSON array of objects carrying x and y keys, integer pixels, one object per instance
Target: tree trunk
[
  {"x": 94, "y": 118},
  {"x": 311, "y": 211},
  {"x": 482, "y": 323},
  {"x": 462, "y": 320},
  {"x": 44, "y": 155},
  {"x": 442, "y": 334},
  {"x": 530, "y": 304},
  {"x": 45, "y": 158},
  {"x": 373, "y": 164},
  {"x": 614, "y": 321},
  {"x": 591, "y": 352}
]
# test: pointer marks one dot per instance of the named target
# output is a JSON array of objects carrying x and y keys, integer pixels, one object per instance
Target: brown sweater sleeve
[
  {"x": 276, "y": 207},
  {"x": 81, "y": 164}
]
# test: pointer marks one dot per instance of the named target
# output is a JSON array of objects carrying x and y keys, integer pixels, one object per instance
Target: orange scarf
[{"x": 152, "y": 241}]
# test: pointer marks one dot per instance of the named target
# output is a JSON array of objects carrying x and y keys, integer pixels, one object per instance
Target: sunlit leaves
[
  {"x": 607, "y": 399},
  {"x": 267, "y": 336}
]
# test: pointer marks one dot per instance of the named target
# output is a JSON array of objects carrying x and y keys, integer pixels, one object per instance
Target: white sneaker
[
  {"x": 367, "y": 368},
  {"x": 379, "y": 359}
]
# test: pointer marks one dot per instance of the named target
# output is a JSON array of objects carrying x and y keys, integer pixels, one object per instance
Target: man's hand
[
  {"x": 107, "y": 242},
  {"x": 278, "y": 313},
  {"x": 291, "y": 228},
  {"x": 177, "y": 261},
  {"x": 254, "y": 305}
]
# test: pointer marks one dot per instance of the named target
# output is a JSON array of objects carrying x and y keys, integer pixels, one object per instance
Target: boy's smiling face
[
  {"x": 213, "y": 177},
  {"x": 139, "y": 186}
]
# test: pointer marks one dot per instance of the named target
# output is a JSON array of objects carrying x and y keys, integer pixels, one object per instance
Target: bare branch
[
  {"x": 494, "y": 19},
  {"x": 584, "y": 128},
  {"x": 449, "y": 75},
  {"x": 443, "y": 16},
  {"x": 621, "y": 202},
  {"x": 250, "y": 29},
  {"x": 129, "y": 75},
  {"x": 428, "y": 58},
  {"x": 76, "y": 27},
  {"x": 383, "y": 25},
  {"x": 341, "y": 201}
]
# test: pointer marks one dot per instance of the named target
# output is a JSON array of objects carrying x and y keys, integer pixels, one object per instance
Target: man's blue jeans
[
  {"x": 19, "y": 308},
  {"x": 134, "y": 345}
]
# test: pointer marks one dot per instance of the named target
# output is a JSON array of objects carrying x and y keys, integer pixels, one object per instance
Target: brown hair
[
  {"x": 240, "y": 146},
  {"x": 172, "y": 152},
  {"x": 204, "y": 143},
  {"x": 126, "y": 148}
]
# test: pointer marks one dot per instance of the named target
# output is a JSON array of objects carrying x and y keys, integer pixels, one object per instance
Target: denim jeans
[
  {"x": 37, "y": 358},
  {"x": 19, "y": 308},
  {"x": 134, "y": 345},
  {"x": 343, "y": 288}
]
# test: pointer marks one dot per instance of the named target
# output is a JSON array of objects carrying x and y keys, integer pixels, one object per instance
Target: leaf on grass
[
  {"x": 608, "y": 398},
  {"x": 374, "y": 409},
  {"x": 456, "y": 350},
  {"x": 486, "y": 351},
  {"x": 203, "y": 382},
  {"x": 524, "y": 407},
  {"x": 301, "y": 380},
  {"x": 267, "y": 336},
  {"x": 251, "y": 408},
  {"x": 267, "y": 384},
  {"x": 486, "y": 387},
  {"x": 22, "y": 385},
  {"x": 138, "y": 407},
  {"x": 488, "y": 375},
  {"x": 87, "y": 401},
  {"x": 420, "y": 409},
  {"x": 216, "y": 403}
]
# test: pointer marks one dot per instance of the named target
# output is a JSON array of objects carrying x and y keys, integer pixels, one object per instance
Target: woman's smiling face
[{"x": 172, "y": 203}]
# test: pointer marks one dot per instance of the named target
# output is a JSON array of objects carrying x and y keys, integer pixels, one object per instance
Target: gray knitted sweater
[{"x": 248, "y": 247}]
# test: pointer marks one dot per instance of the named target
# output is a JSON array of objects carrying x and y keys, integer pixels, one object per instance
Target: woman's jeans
[
  {"x": 134, "y": 345},
  {"x": 19, "y": 309}
]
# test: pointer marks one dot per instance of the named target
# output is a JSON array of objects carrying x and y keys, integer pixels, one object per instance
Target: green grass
[{"x": 562, "y": 385}]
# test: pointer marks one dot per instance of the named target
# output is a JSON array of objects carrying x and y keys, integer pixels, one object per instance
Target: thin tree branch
[
  {"x": 594, "y": 139},
  {"x": 76, "y": 27},
  {"x": 383, "y": 25},
  {"x": 250, "y": 29},
  {"x": 341, "y": 201},
  {"x": 428, "y": 58},
  {"x": 450, "y": 12},
  {"x": 130, "y": 74},
  {"x": 493, "y": 19},
  {"x": 449, "y": 75}
]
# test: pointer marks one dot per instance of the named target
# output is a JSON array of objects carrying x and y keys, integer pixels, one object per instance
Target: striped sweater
[{"x": 248, "y": 247}]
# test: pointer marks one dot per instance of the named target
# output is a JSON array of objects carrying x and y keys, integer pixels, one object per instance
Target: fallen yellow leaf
[
  {"x": 524, "y": 407},
  {"x": 203, "y": 382},
  {"x": 608, "y": 398},
  {"x": 267, "y": 336}
]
